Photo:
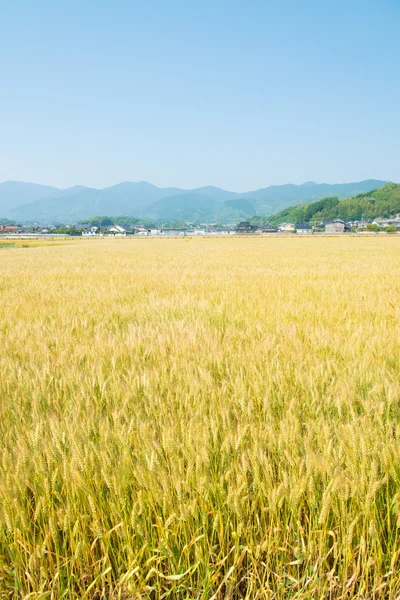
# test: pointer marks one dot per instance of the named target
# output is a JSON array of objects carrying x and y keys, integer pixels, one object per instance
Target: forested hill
[{"x": 382, "y": 202}]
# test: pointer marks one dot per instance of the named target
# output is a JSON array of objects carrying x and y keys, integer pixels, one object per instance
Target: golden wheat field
[{"x": 200, "y": 419}]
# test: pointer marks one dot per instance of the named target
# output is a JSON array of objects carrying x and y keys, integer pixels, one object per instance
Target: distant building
[
  {"x": 223, "y": 231},
  {"x": 303, "y": 228},
  {"x": 116, "y": 229},
  {"x": 360, "y": 225},
  {"x": 337, "y": 226},
  {"x": 28, "y": 229},
  {"x": 173, "y": 232},
  {"x": 91, "y": 232},
  {"x": 246, "y": 227},
  {"x": 286, "y": 227},
  {"x": 268, "y": 228},
  {"x": 139, "y": 230},
  {"x": 8, "y": 228},
  {"x": 383, "y": 223}
]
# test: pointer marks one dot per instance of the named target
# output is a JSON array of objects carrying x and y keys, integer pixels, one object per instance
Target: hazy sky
[{"x": 236, "y": 94}]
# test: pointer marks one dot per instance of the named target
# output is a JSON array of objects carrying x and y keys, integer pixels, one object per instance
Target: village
[{"x": 332, "y": 227}]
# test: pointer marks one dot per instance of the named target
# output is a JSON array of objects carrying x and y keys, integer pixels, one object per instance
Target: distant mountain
[
  {"x": 26, "y": 202},
  {"x": 125, "y": 198},
  {"x": 72, "y": 191},
  {"x": 15, "y": 193},
  {"x": 381, "y": 202},
  {"x": 241, "y": 204},
  {"x": 217, "y": 193},
  {"x": 184, "y": 207},
  {"x": 276, "y": 197},
  {"x": 138, "y": 193}
]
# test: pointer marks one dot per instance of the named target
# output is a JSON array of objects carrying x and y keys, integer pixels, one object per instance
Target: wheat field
[{"x": 209, "y": 419}]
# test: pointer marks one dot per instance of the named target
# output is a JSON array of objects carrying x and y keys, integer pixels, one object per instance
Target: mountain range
[{"x": 29, "y": 202}]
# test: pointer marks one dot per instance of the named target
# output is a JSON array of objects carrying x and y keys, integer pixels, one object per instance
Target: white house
[
  {"x": 286, "y": 227},
  {"x": 303, "y": 228},
  {"x": 90, "y": 232},
  {"x": 175, "y": 232},
  {"x": 116, "y": 229}
]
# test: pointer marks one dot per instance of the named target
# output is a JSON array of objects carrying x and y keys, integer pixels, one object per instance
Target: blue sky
[{"x": 236, "y": 94}]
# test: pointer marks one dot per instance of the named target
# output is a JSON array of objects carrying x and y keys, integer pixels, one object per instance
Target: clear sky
[{"x": 239, "y": 94}]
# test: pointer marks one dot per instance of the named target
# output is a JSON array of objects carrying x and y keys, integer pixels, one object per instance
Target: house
[
  {"x": 172, "y": 231},
  {"x": 135, "y": 229},
  {"x": 268, "y": 228},
  {"x": 383, "y": 223},
  {"x": 8, "y": 228},
  {"x": 337, "y": 226},
  {"x": 303, "y": 228},
  {"x": 246, "y": 227},
  {"x": 90, "y": 232},
  {"x": 354, "y": 224},
  {"x": 116, "y": 229},
  {"x": 286, "y": 227},
  {"x": 28, "y": 229},
  {"x": 360, "y": 225},
  {"x": 223, "y": 231}
]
